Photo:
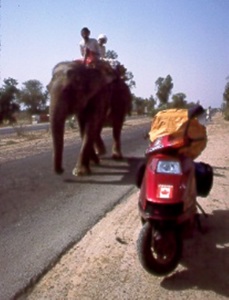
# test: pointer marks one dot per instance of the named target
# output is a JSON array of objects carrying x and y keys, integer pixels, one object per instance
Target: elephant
[{"x": 94, "y": 98}]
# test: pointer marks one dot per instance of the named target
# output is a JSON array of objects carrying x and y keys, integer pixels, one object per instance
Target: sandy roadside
[{"x": 104, "y": 264}]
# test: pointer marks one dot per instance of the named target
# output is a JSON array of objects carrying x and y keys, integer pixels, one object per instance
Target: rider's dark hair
[{"x": 85, "y": 29}]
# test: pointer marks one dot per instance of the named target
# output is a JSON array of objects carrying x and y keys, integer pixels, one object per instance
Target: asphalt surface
[
  {"x": 42, "y": 215},
  {"x": 30, "y": 127}
]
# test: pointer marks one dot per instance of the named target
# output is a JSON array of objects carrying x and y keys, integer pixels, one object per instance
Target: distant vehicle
[{"x": 40, "y": 118}]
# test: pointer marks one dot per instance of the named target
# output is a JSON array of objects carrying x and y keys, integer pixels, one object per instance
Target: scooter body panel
[{"x": 168, "y": 196}]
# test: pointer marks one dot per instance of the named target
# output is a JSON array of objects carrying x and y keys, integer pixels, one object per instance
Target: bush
[{"x": 226, "y": 114}]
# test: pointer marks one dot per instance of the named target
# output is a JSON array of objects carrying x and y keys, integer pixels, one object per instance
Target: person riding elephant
[
  {"x": 76, "y": 89},
  {"x": 93, "y": 54},
  {"x": 89, "y": 47},
  {"x": 102, "y": 40}
]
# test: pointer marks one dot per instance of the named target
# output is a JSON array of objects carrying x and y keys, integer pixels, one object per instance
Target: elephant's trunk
[{"x": 57, "y": 129}]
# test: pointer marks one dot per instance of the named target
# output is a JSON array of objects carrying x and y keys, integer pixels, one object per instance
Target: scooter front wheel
[{"x": 159, "y": 251}]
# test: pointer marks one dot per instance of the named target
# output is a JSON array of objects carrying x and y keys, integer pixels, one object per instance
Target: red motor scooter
[{"x": 169, "y": 183}]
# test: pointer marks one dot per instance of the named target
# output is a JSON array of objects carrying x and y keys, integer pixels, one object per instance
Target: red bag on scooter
[{"x": 174, "y": 122}]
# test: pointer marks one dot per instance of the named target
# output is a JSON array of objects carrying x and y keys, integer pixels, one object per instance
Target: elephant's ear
[{"x": 76, "y": 77}]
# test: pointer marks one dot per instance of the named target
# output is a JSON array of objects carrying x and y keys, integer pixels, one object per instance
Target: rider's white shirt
[{"x": 91, "y": 44}]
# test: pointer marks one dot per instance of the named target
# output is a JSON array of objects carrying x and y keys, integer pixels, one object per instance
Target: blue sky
[{"x": 188, "y": 39}]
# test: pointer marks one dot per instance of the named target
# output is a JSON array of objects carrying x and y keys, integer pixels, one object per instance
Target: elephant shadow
[
  {"x": 205, "y": 258},
  {"x": 108, "y": 169}
]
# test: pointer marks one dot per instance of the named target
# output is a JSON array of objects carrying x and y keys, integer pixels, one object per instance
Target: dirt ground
[{"x": 104, "y": 264}]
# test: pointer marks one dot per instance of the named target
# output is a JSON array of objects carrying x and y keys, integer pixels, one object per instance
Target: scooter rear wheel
[{"x": 159, "y": 251}]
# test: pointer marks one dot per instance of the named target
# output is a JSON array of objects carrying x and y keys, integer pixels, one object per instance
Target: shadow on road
[
  {"x": 206, "y": 258},
  {"x": 116, "y": 172},
  {"x": 221, "y": 168},
  {"x": 218, "y": 171}
]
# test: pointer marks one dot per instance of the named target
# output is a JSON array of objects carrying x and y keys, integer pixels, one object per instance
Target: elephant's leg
[
  {"x": 58, "y": 142},
  {"x": 99, "y": 146},
  {"x": 94, "y": 156},
  {"x": 82, "y": 126},
  {"x": 116, "y": 147},
  {"x": 83, "y": 163},
  {"x": 87, "y": 152},
  {"x": 82, "y": 123},
  {"x": 57, "y": 123}
]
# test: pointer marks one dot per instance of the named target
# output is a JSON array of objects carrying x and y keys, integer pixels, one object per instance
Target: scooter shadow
[
  {"x": 206, "y": 258},
  {"x": 220, "y": 169}
]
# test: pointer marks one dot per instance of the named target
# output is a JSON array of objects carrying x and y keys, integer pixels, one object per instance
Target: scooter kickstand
[
  {"x": 199, "y": 226},
  {"x": 201, "y": 209}
]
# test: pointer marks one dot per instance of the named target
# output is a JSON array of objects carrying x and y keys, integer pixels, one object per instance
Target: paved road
[
  {"x": 32, "y": 127},
  {"x": 41, "y": 215},
  {"x": 10, "y": 129}
]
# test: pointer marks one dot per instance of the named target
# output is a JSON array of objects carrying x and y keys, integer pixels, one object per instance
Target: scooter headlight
[{"x": 168, "y": 167}]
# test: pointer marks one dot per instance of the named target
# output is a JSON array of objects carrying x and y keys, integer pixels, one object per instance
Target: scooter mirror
[{"x": 195, "y": 111}]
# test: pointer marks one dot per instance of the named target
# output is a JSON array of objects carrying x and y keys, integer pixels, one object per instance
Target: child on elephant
[
  {"x": 102, "y": 40},
  {"x": 89, "y": 47}
]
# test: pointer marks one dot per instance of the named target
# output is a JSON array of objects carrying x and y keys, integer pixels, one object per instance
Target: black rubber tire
[
  {"x": 146, "y": 257},
  {"x": 140, "y": 174},
  {"x": 204, "y": 178}
]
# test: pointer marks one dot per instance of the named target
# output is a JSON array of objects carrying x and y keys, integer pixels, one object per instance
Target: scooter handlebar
[{"x": 195, "y": 111}]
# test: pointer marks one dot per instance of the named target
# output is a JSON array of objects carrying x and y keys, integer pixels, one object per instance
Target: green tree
[
  {"x": 150, "y": 105},
  {"x": 139, "y": 105},
  {"x": 33, "y": 97},
  {"x": 178, "y": 100},
  {"x": 126, "y": 75},
  {"x": 226, "y": 100},
  {"x": 226, "y": 92},
  {"x": 111, "y": 54},
  {"x": 129, "y": 79},
  {"x": 164, "y": 88},
  {"x": 9, "y": 100}
]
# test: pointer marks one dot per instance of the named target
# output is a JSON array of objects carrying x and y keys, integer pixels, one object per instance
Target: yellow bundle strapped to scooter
[{"x": 174, "y": 122}]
